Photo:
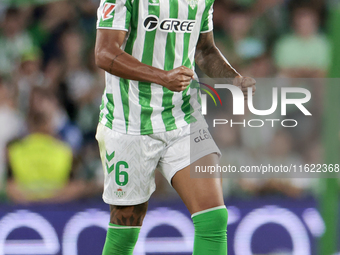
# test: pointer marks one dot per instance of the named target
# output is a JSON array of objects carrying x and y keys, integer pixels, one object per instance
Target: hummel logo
[
  {"x": 108, "y": 159},
  {"x": 111, "y": 156}
]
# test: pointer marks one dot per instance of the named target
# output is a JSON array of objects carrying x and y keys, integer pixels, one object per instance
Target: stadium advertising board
[{"x": 254, "y": 227}]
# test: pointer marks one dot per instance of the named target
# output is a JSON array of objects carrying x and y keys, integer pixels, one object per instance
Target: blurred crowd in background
[{"x": 50, "y": 92}]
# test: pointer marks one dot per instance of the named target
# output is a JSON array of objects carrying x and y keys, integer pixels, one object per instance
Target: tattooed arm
[
  {"x": 213, "y": 63},
  {"x": 128, "y": 215},
  {"x": 210, "y": 60},
  {"x": 110, "y": 57}
]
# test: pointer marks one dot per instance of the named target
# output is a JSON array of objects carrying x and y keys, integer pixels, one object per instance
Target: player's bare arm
[
  {"x": 211, "y": 61},
  {"x": 111, "y": 58}
]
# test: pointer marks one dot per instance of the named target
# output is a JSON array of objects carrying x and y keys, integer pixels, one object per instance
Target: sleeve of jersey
[
  {"x": 114, "y": 14},
  {"x": 207, "y": 20}
]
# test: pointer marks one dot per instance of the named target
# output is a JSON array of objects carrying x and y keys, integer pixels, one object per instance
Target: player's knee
[{"x": 128, "y": 215}]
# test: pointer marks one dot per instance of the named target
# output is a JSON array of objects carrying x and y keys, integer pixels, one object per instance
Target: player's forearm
[
  {"x": 121, "y": 64},
  {"x": 110, "y": 57},
  {"x": 212, "y": 63}
]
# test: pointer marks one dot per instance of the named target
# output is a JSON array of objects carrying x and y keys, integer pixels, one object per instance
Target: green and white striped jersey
[{"x": 163, "y": 34}]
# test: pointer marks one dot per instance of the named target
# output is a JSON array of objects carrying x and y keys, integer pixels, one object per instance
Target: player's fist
[
  {"x": 177, "y": 79},
  {"x": 244, "y": 83}
]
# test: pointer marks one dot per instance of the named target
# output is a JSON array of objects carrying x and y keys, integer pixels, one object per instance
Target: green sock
[
  {"x": 211, "y": 231},
  {"x": 120, "y": 240}
]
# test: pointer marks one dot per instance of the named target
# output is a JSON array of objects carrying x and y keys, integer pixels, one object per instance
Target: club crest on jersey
[
  {"x": 107, "y": 11},
  {"x": 119, "y": 193},
  {"x": 192, "y": 3}
]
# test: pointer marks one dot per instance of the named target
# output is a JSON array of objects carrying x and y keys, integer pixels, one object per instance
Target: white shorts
[{"x": 129, "y": 161}]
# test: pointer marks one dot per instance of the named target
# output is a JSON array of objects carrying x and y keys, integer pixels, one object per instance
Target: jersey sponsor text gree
[{"x": 151, "y": 23}]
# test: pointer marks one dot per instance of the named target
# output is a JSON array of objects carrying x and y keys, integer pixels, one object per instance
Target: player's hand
[
  {"x": 177, "y": 79},
  {"x": 244, "y": 83}
]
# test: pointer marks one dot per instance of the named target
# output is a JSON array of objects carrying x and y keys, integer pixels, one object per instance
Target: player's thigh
[
  {"x": 199, "y": 194},
  {"x": 132, "y": 215},
  {"x": 129, "y": 163}
]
